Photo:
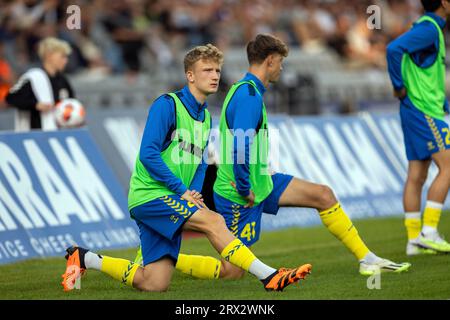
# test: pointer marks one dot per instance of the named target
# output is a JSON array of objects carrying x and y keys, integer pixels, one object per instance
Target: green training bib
[
  {"x": 426, "y": 86},
  {"x": 260, "y": 179},
  {"x": 182, "y": 157}
]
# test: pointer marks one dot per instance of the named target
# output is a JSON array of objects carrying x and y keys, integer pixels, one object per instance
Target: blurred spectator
[
  {"x": 120, "y": 24},
  {"x": 6, "y": 77},
  {"x": 339, "y": 42},
  {"x": 38, "y": 90},
  {"x": 88, "y": 43},
  {"x": 31, "y": 21},
  {"x": 132, "y": 36}
]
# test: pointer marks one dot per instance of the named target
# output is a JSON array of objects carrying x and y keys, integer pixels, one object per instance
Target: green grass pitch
[{"x": 334, "y": 275}]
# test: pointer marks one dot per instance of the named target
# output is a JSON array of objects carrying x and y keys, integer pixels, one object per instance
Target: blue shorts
[
  {"x": 160, "y": 223},
  {"x": 423, "y": 135},
  {"x": 245, "y": 223}
]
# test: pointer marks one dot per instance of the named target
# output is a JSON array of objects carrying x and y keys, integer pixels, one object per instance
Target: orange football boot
[
  {"x": 75, "y": 267},
  {"x": 284, "y": 277}
]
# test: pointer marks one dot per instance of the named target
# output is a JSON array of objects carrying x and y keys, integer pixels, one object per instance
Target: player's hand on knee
[
  {"x": 189, "y": 197},
  {"x": 197, "y": 195}
]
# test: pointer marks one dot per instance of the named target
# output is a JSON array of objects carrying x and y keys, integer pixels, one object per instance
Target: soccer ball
[{"x": 69, "y": 113}]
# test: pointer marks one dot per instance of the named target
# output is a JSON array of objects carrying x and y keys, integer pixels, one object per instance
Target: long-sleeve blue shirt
[
  {"x": 161, "y": 122},
  {"x": 421, "y": 42},
  {"x": 244, "y": 112}
]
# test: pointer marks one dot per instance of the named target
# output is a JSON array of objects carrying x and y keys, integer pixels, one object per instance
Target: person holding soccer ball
[
  {"x": 39, "y": 89},
  {"x": 162, "y": 199},
  {"x": 416, "y": 63}
]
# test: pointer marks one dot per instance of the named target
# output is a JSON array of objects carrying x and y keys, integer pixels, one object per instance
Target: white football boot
[{"x": 382, "y": 265}]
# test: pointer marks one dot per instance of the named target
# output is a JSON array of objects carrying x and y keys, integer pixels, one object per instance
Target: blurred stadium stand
[
  {"x": 128, "y": 52},
  {"x": 309, "y": 83}
]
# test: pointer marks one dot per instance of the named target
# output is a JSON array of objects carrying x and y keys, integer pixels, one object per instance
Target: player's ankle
[
  {"x": 428, "y": 231},
  {"x": 413, "y": 240},
  {"x": 370, "y": 258},
  {"x": 267, "y": 280},
  {"x": 92, "y": 260}
]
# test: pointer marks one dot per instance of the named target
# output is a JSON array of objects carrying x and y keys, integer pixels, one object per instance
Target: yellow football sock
[
  {"x": 339, "y": 224},
  {"x": 238, "y": 254},
  {"x": 202, "y": 267},
  {"x": 120, "y": 269},
  {"x": 413, "y": 224},
  {"x": 432, "y": 215}
]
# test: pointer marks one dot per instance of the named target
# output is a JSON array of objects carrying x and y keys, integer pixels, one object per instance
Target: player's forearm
[
  {"x": 159, "y": 171},
  {"x": 245, "y": 114},
  {"x": 150, "y": 157},
  {"x": 199, "y": 177},
  {"x": 242, "y": 175},
  {"x": 394, "y": 62},
  {"x": 241, "y": 168},
  {"x": 160, "y": 122}
]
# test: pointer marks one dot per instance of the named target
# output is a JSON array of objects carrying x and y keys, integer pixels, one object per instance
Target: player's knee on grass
[
  {"x": 230, "y": 271},
  {"x": 146, "y": 281},
  {"x": 326, "y": 198},
  {"x": 151, "y": 282},
  {"x": 154, "y": 277},
  {"x": 153, "y": 286}
]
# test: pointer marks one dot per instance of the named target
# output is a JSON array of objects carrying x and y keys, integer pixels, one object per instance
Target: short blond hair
[
  {"x": 208, "y": 52},
  {"x": 51, "y": 44}
]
